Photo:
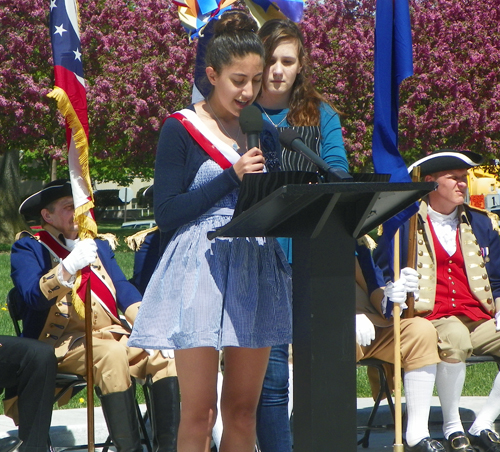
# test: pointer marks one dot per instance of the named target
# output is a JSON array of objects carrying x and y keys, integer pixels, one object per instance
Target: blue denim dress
[{"x": 216, "y": 293}]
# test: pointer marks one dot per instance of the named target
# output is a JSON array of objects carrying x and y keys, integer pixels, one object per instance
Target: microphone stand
[{"x": 338, "y": 175}]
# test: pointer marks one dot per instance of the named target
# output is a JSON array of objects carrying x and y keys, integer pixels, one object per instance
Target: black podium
[{"x": 324, "y": 220}]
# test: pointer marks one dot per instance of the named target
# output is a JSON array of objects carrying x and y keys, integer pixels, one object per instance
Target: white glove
[
  {"x": 410, "y": 277},
  {"x": 365, "y": 331},
  {"x": 166, "y": 353},
  {"x": 396, "y": 291},
  {"x": 83, "y": 254},
  {"x": 497, "y": 321},
  {"x": 70, "y": 244}
]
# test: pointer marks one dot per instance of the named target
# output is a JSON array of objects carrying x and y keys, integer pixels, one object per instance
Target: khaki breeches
[
  {"x": 419, "y": 344},
  {"x": 115, "y": 362},
  {"x": 459, "y": 337}
]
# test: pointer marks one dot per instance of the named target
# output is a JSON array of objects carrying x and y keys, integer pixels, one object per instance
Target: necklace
[
  {"x": 235, "y": 144},
  {"x": 271, "y": 121}
]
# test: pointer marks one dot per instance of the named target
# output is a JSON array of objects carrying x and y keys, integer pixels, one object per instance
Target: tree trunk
[
  {"x": 11, "y": 220},
  {"x": 53, "y": 169}
]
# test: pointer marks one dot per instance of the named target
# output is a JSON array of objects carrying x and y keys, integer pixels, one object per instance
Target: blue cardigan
[{"x": 178, "y": 158}]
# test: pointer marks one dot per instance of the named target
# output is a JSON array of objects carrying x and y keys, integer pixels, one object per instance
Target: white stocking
[
  {"x": 419, "y": 384},
  {"x": 450, "y": 378}
]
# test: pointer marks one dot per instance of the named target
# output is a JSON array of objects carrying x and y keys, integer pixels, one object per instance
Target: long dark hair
[{"x": 304, "y": 99}]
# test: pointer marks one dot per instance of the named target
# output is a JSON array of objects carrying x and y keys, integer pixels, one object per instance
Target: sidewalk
[
  {"x": 381, "y": 439},
  {"x": 69, "y": 427}
]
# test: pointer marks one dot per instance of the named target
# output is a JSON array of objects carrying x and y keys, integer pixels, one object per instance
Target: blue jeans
[{"x": 273, "y": 424}]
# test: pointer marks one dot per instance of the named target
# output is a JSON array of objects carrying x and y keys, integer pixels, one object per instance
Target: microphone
[
  {"x": 251, "y": 124},
  {"x": 293, "y": 142}
]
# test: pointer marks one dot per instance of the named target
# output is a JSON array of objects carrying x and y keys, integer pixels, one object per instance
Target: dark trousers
[{"x": 28, "y": 369}]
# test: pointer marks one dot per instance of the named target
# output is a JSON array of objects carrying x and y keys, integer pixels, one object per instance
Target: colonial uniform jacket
[
  {"x": 480, "y": 244},
  {"x": 47, "y": 309}
]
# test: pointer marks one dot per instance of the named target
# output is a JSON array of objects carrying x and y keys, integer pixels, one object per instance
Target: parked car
[{"x": 139, "y": 224}]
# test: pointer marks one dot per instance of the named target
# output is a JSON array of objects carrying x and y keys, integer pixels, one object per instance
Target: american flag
[{"x": 69, "y": 92}]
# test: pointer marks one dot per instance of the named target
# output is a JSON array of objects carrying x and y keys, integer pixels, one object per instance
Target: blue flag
[{"x": 393, "y": 63}]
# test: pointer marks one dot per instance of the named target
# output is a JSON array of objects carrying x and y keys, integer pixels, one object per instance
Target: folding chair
[
  {"x": 482, "y": 359},
  {"x": 70, "y": 382},
  {"x": 384, "y": 391}
]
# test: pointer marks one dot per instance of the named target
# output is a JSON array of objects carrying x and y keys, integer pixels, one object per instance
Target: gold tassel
[
  {"x": 494, "y": 220},
  {"x": 110, "y": 238},
  {"x": 367, "y": 241},
  {"x": 135, "y": 241},
  {"x": 78, "y": 303}
]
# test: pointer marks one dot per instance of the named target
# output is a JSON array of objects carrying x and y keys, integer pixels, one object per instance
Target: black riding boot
[
  {"x": 165, "y": 401},
  {"x": 121, "y": 417}
]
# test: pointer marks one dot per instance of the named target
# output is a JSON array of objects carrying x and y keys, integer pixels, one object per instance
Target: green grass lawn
[{"x": 478, "y": 381}]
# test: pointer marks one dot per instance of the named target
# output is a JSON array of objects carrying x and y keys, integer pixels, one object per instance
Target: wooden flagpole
[
  {"x": 412, "y": 249},
  {"x": 410, "y": 312},
  {"x": 398, "y": 421},
  {"x": 89, "y": 361}
]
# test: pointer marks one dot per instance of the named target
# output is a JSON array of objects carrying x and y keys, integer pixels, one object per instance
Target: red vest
[{"x": 453, "y": 294}]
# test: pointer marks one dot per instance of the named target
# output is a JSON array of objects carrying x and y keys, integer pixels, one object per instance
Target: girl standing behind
[{"x": 288, "y": 99}]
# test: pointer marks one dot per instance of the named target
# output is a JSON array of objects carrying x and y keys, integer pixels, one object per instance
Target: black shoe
[
  {"x": 9, "y": 444},
  {"x": 487, "y": 441},
  {"x": 426, "y": 445},
  {"x": 458, "y": 442}
]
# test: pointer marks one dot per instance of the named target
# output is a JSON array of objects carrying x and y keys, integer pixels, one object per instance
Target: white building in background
[
  {"x": 135, "y": 186},
  {"x": 133, "y": 212},
  {"x": 30, "y": 187}
]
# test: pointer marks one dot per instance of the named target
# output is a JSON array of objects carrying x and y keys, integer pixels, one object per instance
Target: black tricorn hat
[
  {"x": 446, "y": 159},
  {"x": 33, "y": 205}
]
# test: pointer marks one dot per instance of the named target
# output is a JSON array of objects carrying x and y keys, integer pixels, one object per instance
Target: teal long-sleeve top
[{"x": 332, "y": 149}]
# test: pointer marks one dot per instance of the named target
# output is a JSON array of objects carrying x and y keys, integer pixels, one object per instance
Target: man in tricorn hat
[
  {"x": 458, "y": 261},
  {"x": 44, "y": 268}
]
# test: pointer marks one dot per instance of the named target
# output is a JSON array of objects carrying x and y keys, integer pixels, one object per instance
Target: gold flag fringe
[
  {"x": 87, "y": 226},
  {"x": 79, "y": 135}
]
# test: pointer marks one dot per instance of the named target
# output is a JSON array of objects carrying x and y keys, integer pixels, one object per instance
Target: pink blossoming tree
[
  {"x": 139, "y": 65},
  {"x": 453, "y": 98}
]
